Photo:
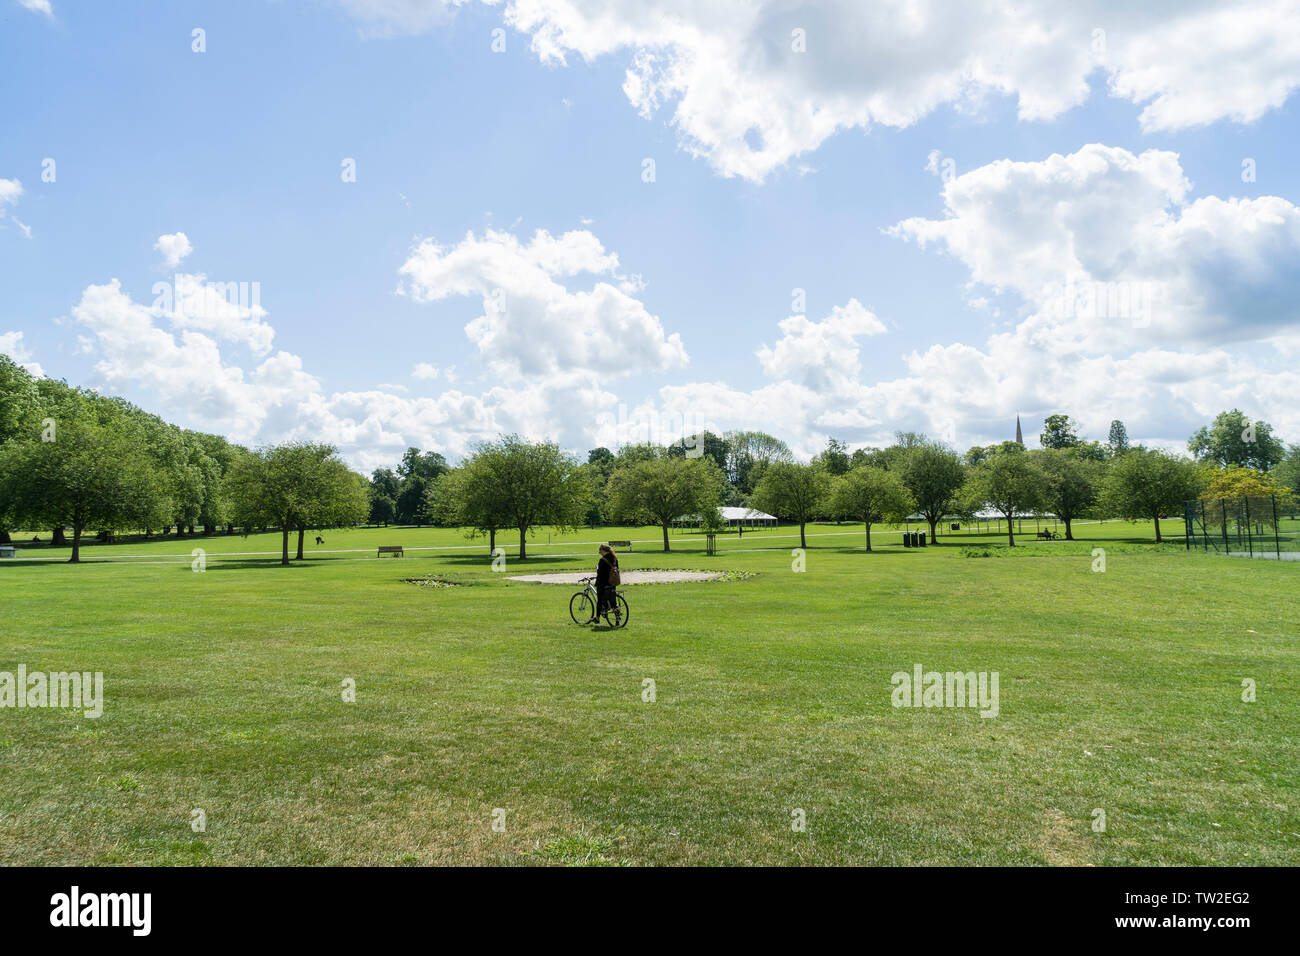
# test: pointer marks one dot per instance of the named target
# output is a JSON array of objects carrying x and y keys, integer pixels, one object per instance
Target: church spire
[{"x": 1020, "y": 438}]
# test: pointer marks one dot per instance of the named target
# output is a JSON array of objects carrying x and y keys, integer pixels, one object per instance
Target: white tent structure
[{"x": 734, "y": 518}]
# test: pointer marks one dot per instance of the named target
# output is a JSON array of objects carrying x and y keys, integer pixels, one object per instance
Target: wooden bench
[
  {"x": 625, "y": 545},
  {"x": 391, "y": 549}
]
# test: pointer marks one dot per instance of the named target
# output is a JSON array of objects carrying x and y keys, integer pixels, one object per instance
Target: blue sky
[{"x": 240, "y": 149}]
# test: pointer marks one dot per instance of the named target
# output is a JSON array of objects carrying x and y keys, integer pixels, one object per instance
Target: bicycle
[{"x": 583, "y": 605}]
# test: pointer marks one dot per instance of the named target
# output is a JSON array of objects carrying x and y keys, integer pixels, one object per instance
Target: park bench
[
  {"x": 625, "y": 545},
  {"x": 391, "y": 549},
  {"x": 1048, "y": 534},
  {"x": 7, "y": 551}
]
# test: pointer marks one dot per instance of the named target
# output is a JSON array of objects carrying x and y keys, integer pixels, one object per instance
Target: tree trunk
[
  {"x": 523, "y": 543},
  {"x": 1069, "y": 535},
  {"x": 803, "y": 541},
  {"x": 4, "y": 536},
  {"x": 934, "y": 529},
  {"x": 58, "y": 538},
  {"x": 868, "y": 524},
  {"x": 301, "y": 532},
  {"x": 76, "y": 544},
  {"x": 1157, "y": 529},
  {"x": 1011, "y": 532},
  {"x": 665, "y": 537},
  {"x": 230, "y": 529},
  {"x": 492, "y": 540},
  {"x": 284, "y": 545}
]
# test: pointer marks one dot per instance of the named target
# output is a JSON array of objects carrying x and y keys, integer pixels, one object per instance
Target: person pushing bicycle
[{"x": 606, "y": 569}]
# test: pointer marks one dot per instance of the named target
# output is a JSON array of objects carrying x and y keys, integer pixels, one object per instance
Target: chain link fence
[{"x": 1256, "y": 526}]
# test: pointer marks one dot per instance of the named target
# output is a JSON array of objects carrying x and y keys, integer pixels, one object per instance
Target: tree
[
  {"x": 1287, "y": 471},
  {"x": 702, "y": 445},
  {"x": 793, "y": 491},
  {"x": 385, "y": 483},
  {"x": 1118, "y": 440},
  {"x": 665, "y": 489},
  {"x": 1234, "y": 439},
  {"x": 934, "y": 475},
  {"x": 600, "y": 465},
  {"x": 528, "y": 484},
  {"x": 1072, "y": 486},
  {"x": 294, "y": 486},
  {"x": 870, "y": 495},
  {"x": 468, "y": 496},
  {"x": 19, "y": 400},
  {"x": 416, "y": 471},
  {"x": 749, "y": 454},
  {"x": 382, "y": 510},
  {"x": 92, "y": 474},
  {"x": 1236, "y": 481},
  {"x": 1009, "y": 483},
  {"x": 1145, "y": 483},
  {"x": 834, "y": 460},
  {"x": 1058, "y": 432},
  {"x": 337, "y": 497}
]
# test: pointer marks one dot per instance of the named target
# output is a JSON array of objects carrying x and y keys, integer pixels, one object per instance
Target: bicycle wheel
[
  {"x": 617, "y": 613},
  {"x": 581, "y": 608}
]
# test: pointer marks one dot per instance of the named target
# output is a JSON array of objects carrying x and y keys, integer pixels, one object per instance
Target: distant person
[
  {"x": 607, "y": 563},
  {"x": 319, "y": 539}
]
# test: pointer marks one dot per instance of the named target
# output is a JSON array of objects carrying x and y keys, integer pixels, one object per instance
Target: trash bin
[
  {"x": 907, "y": 539},
  {"x": 956, "y": 526},
  {"x": 922, "y": 539}
]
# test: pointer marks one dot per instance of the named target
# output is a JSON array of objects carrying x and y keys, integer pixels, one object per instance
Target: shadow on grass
[{"x": 267, "y": 563}]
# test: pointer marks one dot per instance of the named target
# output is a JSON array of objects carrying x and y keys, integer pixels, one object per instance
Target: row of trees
[
  {"x": 73, "y": 459},
  {"x": 70, "y": 458},
  {"x": 512, "y": 484}
]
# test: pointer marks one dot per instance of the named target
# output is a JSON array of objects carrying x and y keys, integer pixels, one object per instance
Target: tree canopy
[
  {"x": 1235, "y": 439},
  {"x": 661, "y": 490},
  {"x": 793, "y": 491},
  {"x": 871, "y": 494}
]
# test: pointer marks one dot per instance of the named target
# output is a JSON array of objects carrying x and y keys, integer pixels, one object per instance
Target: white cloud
[
  {"x": 1221, "y": 330},
  {"x": 174, "y": 247},
  {"x": 1221, "y": 335},
  {"x": 532, "y": 324},
  {"x": 742, "y": 96},
  {"x": 11, "y": 344},
  {"x": 424, "y": 370},
  {"x": 1106, "y": 251},
  {"x": 11, "y": 190},
  {"x": 39, "y": 6},
  {"x": 187, "y": 379},
  {"x": 823, "y": 356},
  {"x": 232, "y": 311}
]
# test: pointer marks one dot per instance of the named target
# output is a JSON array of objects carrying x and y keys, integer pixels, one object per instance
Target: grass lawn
[{"x": 1119, "y": 691}]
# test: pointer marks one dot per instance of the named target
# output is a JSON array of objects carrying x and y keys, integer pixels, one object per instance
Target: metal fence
[{"x": 1254, "y": 526}]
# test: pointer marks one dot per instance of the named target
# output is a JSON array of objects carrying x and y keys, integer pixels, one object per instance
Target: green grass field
[{"x": 1120, "y": 691}]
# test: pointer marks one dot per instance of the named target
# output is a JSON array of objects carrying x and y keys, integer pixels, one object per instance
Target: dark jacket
[{"x": 603, "y": 566}]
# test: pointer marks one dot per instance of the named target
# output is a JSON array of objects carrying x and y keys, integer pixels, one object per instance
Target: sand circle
[{"x": 629, "y": 577}]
